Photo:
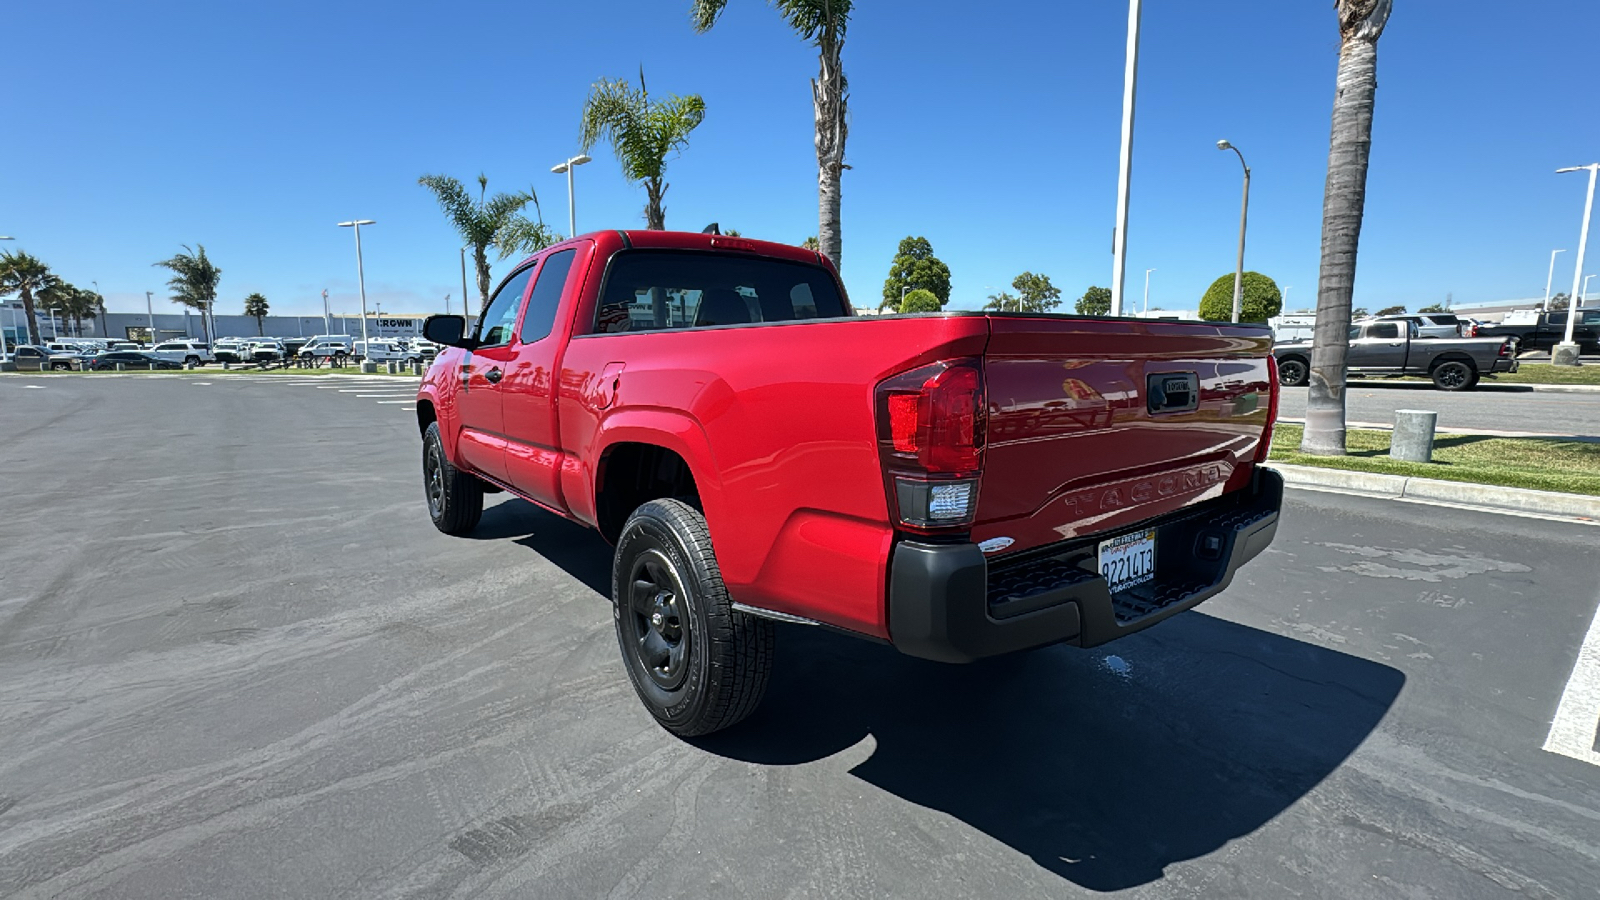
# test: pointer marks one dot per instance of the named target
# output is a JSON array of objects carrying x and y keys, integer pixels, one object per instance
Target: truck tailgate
[{"x": 1095, "y": 425}]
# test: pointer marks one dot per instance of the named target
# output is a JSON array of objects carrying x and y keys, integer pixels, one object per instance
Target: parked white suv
[
  {"x": 327, "y": 346},
  {"x": 183, "y": 352},
  {"x": 1442, "y": 325}
]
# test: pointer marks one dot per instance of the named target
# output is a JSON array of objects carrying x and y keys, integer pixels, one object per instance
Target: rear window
[{"x": 658, "y": 290}]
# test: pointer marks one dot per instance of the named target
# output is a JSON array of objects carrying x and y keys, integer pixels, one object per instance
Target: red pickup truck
[{"x": 957, "y": 484}]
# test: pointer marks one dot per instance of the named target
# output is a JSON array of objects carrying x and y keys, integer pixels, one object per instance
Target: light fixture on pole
[
  {"x": 1566, "y": 353},
  {"x": 1147, "y": 272},
  {"x": 361, "y": 275},
  {"x": 566, "y": 169},
  {"x": 1548, "y": 277},
  {"x": 1119, "y": 235},
  {"x": 1244, "y": 213}
]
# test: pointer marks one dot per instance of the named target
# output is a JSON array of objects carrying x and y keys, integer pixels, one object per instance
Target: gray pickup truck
[{"x": 1396, "y": 348}]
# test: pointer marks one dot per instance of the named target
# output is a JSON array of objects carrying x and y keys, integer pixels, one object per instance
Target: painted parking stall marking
[{"x": 1576, "y": 726}]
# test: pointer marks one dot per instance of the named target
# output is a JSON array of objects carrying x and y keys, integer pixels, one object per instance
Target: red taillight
[
  {"x": 931, "y": 426},
  {"x": 726, "y": 243},
  {"x": 1505, "y": 347},
  {"x": 1264, "y": 449}
]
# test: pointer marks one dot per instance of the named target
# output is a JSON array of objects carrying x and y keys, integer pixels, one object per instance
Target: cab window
[
  {"x": 494, "y": 327},
  {"x": 546, "y": 296},
  {"x": 1384, "y": 331}
]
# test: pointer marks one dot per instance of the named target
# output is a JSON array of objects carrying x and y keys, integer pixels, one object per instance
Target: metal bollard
[
  {"x": 416, "y": 367},
  {"x": 392, "y": 368},
  {"x": 152, "y": 367},
  {"x": 1413, "y": 435},
  {"x": 226, "y": 365},
  {"x": 122, "y": 367}
]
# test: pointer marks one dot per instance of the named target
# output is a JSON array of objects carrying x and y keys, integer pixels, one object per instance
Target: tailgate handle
[{"x": 1168, "y": 392}]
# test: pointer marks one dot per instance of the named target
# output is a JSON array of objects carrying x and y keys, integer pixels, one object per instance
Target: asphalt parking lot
[{"x": 236, "y": 660}]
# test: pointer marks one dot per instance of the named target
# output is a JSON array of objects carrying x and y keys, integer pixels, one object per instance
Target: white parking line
[
  {"x": 412, "y": 400},
  {"x": 1577, "y": 722},
  {"x": 411, "y": 394}
]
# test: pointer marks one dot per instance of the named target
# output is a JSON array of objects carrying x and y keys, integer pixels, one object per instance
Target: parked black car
[{"x": 130, "y": 359}]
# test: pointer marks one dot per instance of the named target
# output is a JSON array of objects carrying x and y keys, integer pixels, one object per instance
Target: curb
[
  {"x": 1486, "y": 385},
  {"x": 1493, "y": 498}
]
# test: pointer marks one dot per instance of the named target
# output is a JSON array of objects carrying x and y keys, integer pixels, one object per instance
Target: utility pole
[{"x": 1119, "y": 239}]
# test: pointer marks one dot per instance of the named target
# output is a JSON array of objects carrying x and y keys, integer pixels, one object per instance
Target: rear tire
[
  {"x": 193, "y": 360},
  {"x": 698, "y": 665},
  {"x": 455, "y": 499},
  {"x": 1293, "y": 372},
  {"x": 1454, "y": 375}
]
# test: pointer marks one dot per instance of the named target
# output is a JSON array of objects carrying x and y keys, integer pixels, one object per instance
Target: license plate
[{"x": 1128, "y": 560}]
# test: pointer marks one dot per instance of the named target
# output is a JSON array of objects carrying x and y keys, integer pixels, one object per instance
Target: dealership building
[{"x": 169, "y": 326}]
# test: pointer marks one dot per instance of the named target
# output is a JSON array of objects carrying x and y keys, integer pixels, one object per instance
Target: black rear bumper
[{"x": 946, "y": 603}]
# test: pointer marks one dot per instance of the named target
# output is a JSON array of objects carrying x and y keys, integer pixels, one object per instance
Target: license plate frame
[{"x": 1127, "y": 560}]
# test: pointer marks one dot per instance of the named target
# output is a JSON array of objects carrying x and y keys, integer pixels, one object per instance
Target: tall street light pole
[
  {"x": 361, "y": 275},
  {"x": 566, "y": 168},
  {"x": 10, "y": 314},
  {"x": 150, "y": 311},
  {"x": 1244, "y": 214},
  {"x": 1583, "y": 300},
  {"x": 1147, "y": 290},
  {"x": 1119, "y": 237},
  {"x": 466, "y": 311},
  {"x": 1549, "y": 277},
  {"x": 1567, "y": 353}
]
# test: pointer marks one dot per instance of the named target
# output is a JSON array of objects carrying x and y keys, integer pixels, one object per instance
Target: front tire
[
  {"x": 698, "y": 665},
  {"x": 1293, "y": 372},
  {"x": 1454, "y": 375},
  {"x": 455, "y": 499}
]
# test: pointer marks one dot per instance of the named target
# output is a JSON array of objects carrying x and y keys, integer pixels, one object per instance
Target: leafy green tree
[
  {"x": 810, "y": 243},
  {"x": 490, "y": 222},
  {"x": 1359, "y": 312},
  {"x": 1344, "y": 200},
  {"x": 914, "y": 267},
  {"x": 1096, "y": 301},
  {"x": 193, "y": 283},
  {"x": 823, "y": 23},
  {"x": 1559, "y": 301},
  {"x": 920, "y": 300},
  {"x": 255, "y": 306},
  {"x": 641, "y": 132},
  {"x": 1392, "y": 311},
  {"x": 1037, "y": 293},
  {"x": 1262, "y": 299},
  {"x": 71, "y": 304},
  {"x": 24, "y": 275},
  {"x": 1434, "y": 308}
]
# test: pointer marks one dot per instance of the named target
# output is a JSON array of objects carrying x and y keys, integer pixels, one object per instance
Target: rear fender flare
[{"x": 673, "y": 431}]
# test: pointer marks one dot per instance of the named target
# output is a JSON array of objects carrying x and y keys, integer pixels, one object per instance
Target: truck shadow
[{"x": 1104, "y": 766}]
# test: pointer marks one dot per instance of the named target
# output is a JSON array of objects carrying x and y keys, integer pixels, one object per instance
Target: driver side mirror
[{"x": 448, "y": 331}]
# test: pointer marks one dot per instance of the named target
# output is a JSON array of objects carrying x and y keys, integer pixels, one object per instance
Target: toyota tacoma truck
[
  {"x": 958, "y": 485},
  {"x": 1394, "y": 347}
]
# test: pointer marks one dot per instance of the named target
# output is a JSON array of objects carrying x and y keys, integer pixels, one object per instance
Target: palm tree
[
  {"x": 641, "y": 132},
  {"x": 823, "y": 23},
  {"x": 255, "y": 306},
  {"x": 23, "y": 274},
  {"x": 72, "y": 304},
  {"x": 194, "y": 282},
  {"x": 1344, "y": 198},
  {"x": 810, "y": 243},
  {"x": 490, "y": 222}
]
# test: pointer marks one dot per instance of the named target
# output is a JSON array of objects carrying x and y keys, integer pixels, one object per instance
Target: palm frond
[
  {"x": 521, "y": 235},
  {"x": 459, "y": 207},
  {"x": 705, "y": 13}
]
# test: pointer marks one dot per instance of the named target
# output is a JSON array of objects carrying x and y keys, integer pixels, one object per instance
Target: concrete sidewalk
[
  {"x": 1485, "y": 385},
  {"x": 1492, "y": 498}
]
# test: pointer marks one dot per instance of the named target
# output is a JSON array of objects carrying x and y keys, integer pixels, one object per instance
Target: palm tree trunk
[
  {"x": 829, "y": 96},
  {"x": 1344, "y": 200},
  {"x": 33, "y": 319},
  {"x": 655, "y": 215},
  {"x": 480, "y": 258}
]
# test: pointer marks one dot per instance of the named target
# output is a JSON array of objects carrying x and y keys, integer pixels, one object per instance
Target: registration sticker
[{"x": 1128, "y": 560}]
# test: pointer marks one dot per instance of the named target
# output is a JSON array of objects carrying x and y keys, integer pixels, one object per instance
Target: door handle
[{"x": 493, "y": 376}]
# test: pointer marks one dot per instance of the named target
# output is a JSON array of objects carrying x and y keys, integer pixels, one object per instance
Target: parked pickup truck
[
  {"x": 959, "y": 485},
  {"x": 1386, "y": 347},
  {"x": 1535, "y": 330}
]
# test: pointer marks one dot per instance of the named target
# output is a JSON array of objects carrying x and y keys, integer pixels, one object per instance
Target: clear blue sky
[{"x": 254, "y": 128}]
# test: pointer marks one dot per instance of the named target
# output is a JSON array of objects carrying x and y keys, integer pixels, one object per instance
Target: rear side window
[
  {"x": 1385, "y": 330},
  {"x": 546, "y": 297},
  {"x": 657, "y": 290}
]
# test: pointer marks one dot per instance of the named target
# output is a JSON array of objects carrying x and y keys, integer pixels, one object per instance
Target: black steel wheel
[
  {"x": 1293, "y": 372},
  {"x": 1454, "y": 375},
  {"x": 698, "y": 665},
  {"x": 455, "y": 499}
]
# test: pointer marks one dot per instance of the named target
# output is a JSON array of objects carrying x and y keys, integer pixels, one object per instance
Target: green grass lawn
[
  {"x": 1543, "y": 464},
  {"x": 1544, "y": 373}
]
